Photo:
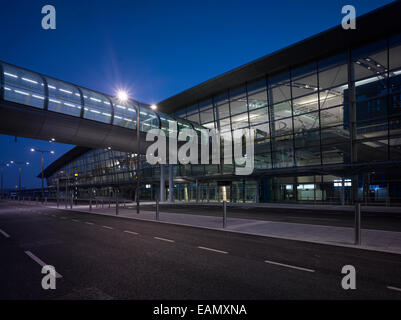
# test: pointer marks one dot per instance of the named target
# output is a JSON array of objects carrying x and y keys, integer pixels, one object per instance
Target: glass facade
[{"x": 311, "y": 122}]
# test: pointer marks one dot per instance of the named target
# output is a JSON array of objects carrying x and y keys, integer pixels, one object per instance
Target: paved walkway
[{"x": 386, "y": 241}]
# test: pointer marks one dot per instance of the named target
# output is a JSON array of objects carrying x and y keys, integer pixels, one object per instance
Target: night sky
[{"x": 156, "y": 49}]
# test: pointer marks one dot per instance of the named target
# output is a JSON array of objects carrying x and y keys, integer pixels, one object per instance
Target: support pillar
[
  {"x": 171, "y": 183},
  {"x": 162, "y": 183}
]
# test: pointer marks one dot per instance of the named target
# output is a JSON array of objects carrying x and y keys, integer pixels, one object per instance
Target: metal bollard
[
  {"x": 116, "y": 206},
  {"x": 71, "y": 201},
  {"x": 157, "y": 210},
  {"x": 224, "y": 214},
  {"x": 357, "y": 223},
  {"x": 124, "y": 203},
  {"x": 90, "y": 204}
]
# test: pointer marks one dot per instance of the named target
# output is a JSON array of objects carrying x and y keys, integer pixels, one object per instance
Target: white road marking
[
  {"x": 75, "y": 220},
  {"x": 214, "y": 250},
  {"x": 131, "y": 232},
  {"x": 4, "y": 233},
  {"x": 107, "y": 227},
  {"x": 40, "y": 262},
  {"x": 90, "y": 223},
  {"x": 394, "y": 288},
  {"x": 289, "y": 266},
  {"x": 164, "y": 239}
]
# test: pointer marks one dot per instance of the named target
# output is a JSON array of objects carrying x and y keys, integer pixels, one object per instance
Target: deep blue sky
[{"x": 155, "y": 48}]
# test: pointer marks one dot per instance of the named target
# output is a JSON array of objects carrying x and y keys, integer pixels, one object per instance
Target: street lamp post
[
  {"x": 43, "y": 165},
  {"x": 20, "y": 164},
  {"x": 138, "y": 145}
]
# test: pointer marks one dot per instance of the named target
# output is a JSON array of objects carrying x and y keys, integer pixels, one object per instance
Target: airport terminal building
[{"x": 326, "y": 115}]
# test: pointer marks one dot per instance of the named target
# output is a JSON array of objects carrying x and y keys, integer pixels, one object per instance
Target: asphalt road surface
[{"x": 100, "y": 257}]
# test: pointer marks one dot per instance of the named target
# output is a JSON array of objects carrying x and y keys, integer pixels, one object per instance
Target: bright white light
[
  {"x": 122, "y": 95},
  {"x": 32, "y": 150},
  {"x": 10, "y": 75},
  {"x": 52, "y": 152},
  {"x": 65, "y": 91},
  {"x": 21, "y": 92},
  {"x": 29, "y": 80},
  {"x": 153, "y": 107}
]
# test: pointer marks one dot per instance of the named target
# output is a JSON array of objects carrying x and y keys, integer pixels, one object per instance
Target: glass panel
[
  {"x": 166, "y": 121},
  {"x": 335, "y": 153},
  {"x": 148, "y": 119},
  {"x": 258, "y": 116},
  {"x": 97, "y": 106},
  {"x": 332, "y": 116},
  {"x": 23, "y": 87},
  {"x": 307, "y": 156},
  {"x": 395, "y": 149},
  {"x": 181, "y": 113},
  {"x": 371, "y": 118},
  {"x": 304, "y": 81},
  {"x": 237, "y": 93},
  {"x": 282, "y": 110},
  {"x": 306, "y": 129},
  {"x": 333, "y": 71},
  {"x": 306, "y": 104},
  {"x": 395, "y": 52},
  {"x": 238, "y": 106},
  {"x": 257, "y": 94},
  {"x": 279, "y": 88},
  {"x": 223, "y": 110},
  {"x": 125, "y": 113},
  {"x": 194, "y": 117},
  {"x": 224, "y": 123},
  {"x": 64, "y": 98},
  {"x": 256, "y": 86},
  {"x": 239, "y": 121},
  {"x": 261, "y": 131},
  {"x": 192, "y": 109},
  {"x": 282, "y": 127},
  {"x": 205, "y": 105},
  {"x": 333, "y": 81},
  {"x": 372, "y": 150},
  {"x": 206, "y": 116},
  {"x": 370, "y": 60}
]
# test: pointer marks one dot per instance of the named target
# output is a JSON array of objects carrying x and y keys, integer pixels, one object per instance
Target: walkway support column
[
  {"x": 197, "y": 191},
  {"x": 171, "y": 183},
  {"x": 162, "y": 183}
]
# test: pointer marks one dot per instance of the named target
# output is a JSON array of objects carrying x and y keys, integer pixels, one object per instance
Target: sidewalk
[{"x": 378, "y": 240}]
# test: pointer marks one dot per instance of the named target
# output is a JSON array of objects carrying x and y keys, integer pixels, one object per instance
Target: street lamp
[
  {"x": 19, "y": 164},
  {"x": 43, "y": 164}
]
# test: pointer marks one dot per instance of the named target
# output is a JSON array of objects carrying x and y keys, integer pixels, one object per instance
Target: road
[{"x": 100, "y": 257}]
